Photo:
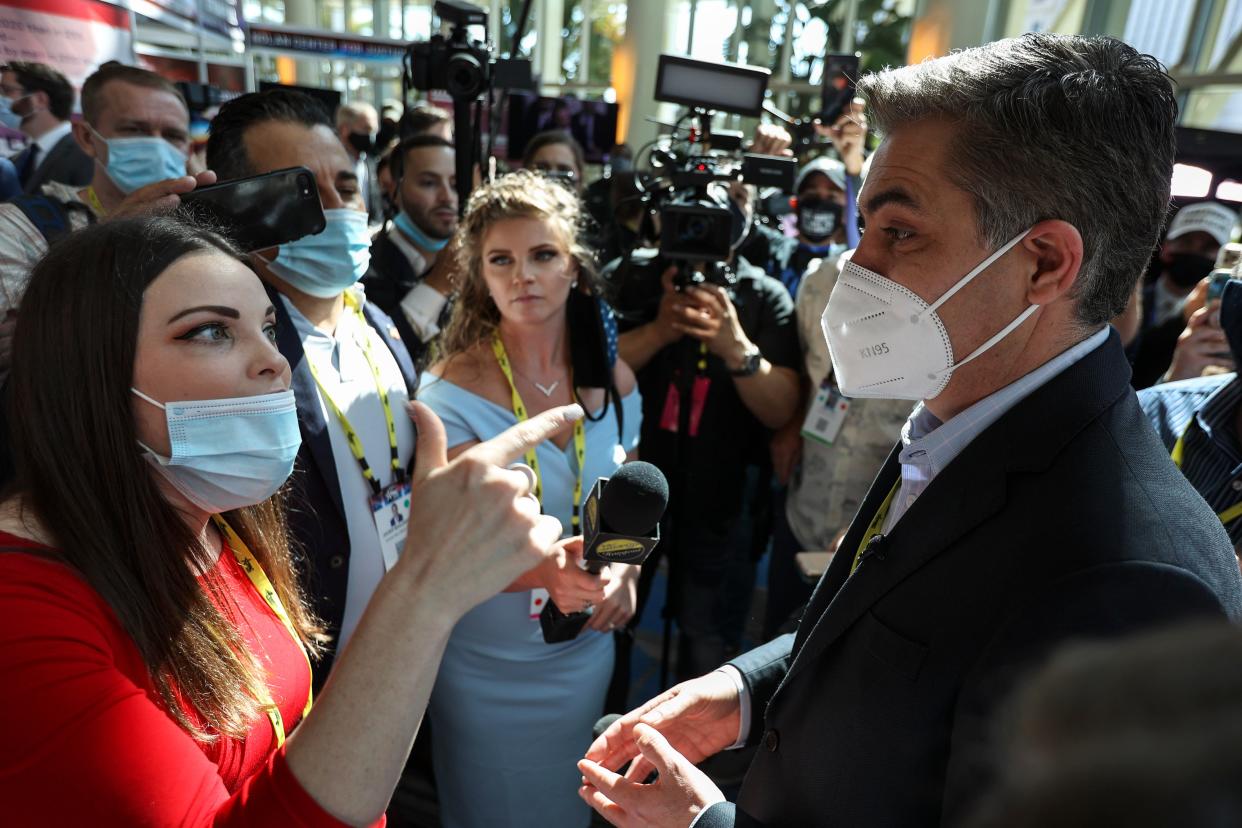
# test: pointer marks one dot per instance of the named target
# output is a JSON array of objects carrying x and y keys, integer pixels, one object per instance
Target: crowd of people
[{"x": 278, "y": 525}]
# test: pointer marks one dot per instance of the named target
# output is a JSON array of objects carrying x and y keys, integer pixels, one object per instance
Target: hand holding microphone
[
  {"x": 568, "y": 584},
  {"x": 620, "y": 521}
]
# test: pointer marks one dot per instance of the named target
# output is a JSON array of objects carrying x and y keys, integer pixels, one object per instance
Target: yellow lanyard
[
  {"x": 264, "y": 587},
  {"x": 876, "y": 527},
  {"x": 93, "y": 198},
  {"x": 1179, "y": 455},
  {"x": 519, "y": 412},
  {"x": 351, "y": 436}
]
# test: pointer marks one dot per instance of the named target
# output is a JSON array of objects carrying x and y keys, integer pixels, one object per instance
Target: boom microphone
[{"x": 621, "y": 520}]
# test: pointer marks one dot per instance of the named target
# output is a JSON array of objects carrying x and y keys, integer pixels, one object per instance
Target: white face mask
[{"x": 887, "y": 343}]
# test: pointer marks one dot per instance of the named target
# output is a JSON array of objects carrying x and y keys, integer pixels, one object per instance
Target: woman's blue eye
[
  {"x": 269, "y": 330},
  {"x": 211, "y": 332},
  {"x": 499, "y": 261},
  {"x": 546, "y": 255}
]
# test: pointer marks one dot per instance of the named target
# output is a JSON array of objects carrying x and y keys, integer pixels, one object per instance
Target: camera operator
[
  {"x": 410, "y": 275},
  {"x": 1187, "y": 253},
  {"x": 825, "y": 190},
  {"x": 728, "y": 354}
]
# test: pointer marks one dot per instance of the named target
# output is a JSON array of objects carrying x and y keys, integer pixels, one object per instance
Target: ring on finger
[{"x": 532, "y": 479}]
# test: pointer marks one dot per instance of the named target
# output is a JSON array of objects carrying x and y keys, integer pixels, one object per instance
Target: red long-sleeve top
[{"x": 86, "y": 740}]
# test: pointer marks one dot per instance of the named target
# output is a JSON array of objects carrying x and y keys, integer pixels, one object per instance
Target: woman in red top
[{"x": 153, "y": 641}]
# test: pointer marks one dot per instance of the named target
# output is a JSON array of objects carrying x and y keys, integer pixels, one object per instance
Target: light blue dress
[{"x": 510, "y": 714}]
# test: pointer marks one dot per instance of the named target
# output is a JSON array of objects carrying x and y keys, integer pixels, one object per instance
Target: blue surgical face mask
[
  {"x": 327, "y": 263},
  {"x": 136, "y": 162},
  {"x": 406, "y": 225},
  {"x": 8, "y": 117},
  {"x": 228, "y": 453}
]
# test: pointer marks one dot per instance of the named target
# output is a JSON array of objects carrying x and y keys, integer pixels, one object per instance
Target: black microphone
[{"x": 620, "y": 524}]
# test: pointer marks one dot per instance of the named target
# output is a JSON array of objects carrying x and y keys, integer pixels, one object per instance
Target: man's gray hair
[
  {"x": 351, "y": 113},
  {"x": 1052, "y": 127}
]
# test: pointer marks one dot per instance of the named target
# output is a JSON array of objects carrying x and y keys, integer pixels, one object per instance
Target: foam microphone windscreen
[{"x": 634, "y": 499}]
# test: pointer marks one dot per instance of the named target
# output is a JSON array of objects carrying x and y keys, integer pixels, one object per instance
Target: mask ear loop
[
  {"x": 1003, "y": 332},
  {"x": 158, "y": 405},
  {"x": 979, "y": 268}
]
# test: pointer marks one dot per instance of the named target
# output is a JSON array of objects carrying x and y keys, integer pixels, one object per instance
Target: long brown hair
[
  {"x": 521, "y": 194},
  {"x": 80, "y": 471}
]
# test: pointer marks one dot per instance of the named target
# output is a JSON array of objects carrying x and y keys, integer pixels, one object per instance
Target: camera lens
[
  {"x": 465, "y": 76},
  {"x": 304, "y": 185},
  {"x": 695, "y": 229}
]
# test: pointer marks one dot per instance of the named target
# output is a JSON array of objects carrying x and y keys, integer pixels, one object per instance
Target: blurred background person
[
  {"x": 135, "y": 131},
  {"x": 825, "y": 191},
  {"x": 509, "y": 710},
  {"x": 412, "y": 264},
  {"x": 423, "y": 118},
  {"x": 10, "y": 184},
  {"x": 38, "y": 100},
  {"x": 1199, "y": 419},
  {"x": 557, "y": 153},
  {"x": 1143, "y": 732},
  {"x": 1186, "y": 256},
  {"x": 390, "y": 115},
  {"x": 357, "y": 124}
]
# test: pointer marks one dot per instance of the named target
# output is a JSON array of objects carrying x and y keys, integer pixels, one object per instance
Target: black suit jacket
[
  {"x": 1065, "y": 519},
  {"x": 65, "y": 163},
  {"x": 316, "y": 511},
  {"x": 388, "y": 280}
]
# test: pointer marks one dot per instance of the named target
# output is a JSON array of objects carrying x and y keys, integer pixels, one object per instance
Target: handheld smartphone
[
  {"x": 840, "y": 73},
  {"x": 262, "y": 211}
]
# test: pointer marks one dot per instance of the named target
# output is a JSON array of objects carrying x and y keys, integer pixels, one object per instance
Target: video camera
[
  {"x": 466, "y": 70},
  {"x": 688, "y": 175}
]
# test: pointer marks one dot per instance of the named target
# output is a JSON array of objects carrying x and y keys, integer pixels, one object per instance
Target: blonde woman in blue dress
[{"x": 510, "y": 713}]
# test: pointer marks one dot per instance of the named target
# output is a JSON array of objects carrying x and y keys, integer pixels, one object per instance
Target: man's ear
[
  {"x": 1054, "y": 251},
  {"x": 85, "y": 139}
]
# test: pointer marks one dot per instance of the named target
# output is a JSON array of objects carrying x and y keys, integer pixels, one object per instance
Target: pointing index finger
[{"x": 513, "y": 443}]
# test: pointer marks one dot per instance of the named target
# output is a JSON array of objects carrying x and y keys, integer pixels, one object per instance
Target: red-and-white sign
[{"x": 73, "y": 36}]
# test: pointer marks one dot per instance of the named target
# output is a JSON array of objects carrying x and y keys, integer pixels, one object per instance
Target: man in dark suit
[
  {"x": 339, "y": 347},
  {"x": 1028, "y": 503},
  {"x": 41, "y": 101},
  {"x": 411, "y": 262}
]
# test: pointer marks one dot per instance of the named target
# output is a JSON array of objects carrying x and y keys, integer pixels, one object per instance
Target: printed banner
[
  {"x": 74, "y": 36},
  {"x": 297, "y": 42}
]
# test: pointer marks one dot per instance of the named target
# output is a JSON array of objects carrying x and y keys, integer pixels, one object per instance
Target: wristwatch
[{"x": 750, "y": 363}]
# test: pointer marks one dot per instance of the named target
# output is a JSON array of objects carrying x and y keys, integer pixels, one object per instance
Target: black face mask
[
  {"x": 362, "y": 142},
  {"x": 1188, "y": 269},
  {"x": 818, "y": 219},
  {"x": 387, "y": 131}
]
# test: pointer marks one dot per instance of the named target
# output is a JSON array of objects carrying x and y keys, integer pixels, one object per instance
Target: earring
[{"x": 574, "y": 285}]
